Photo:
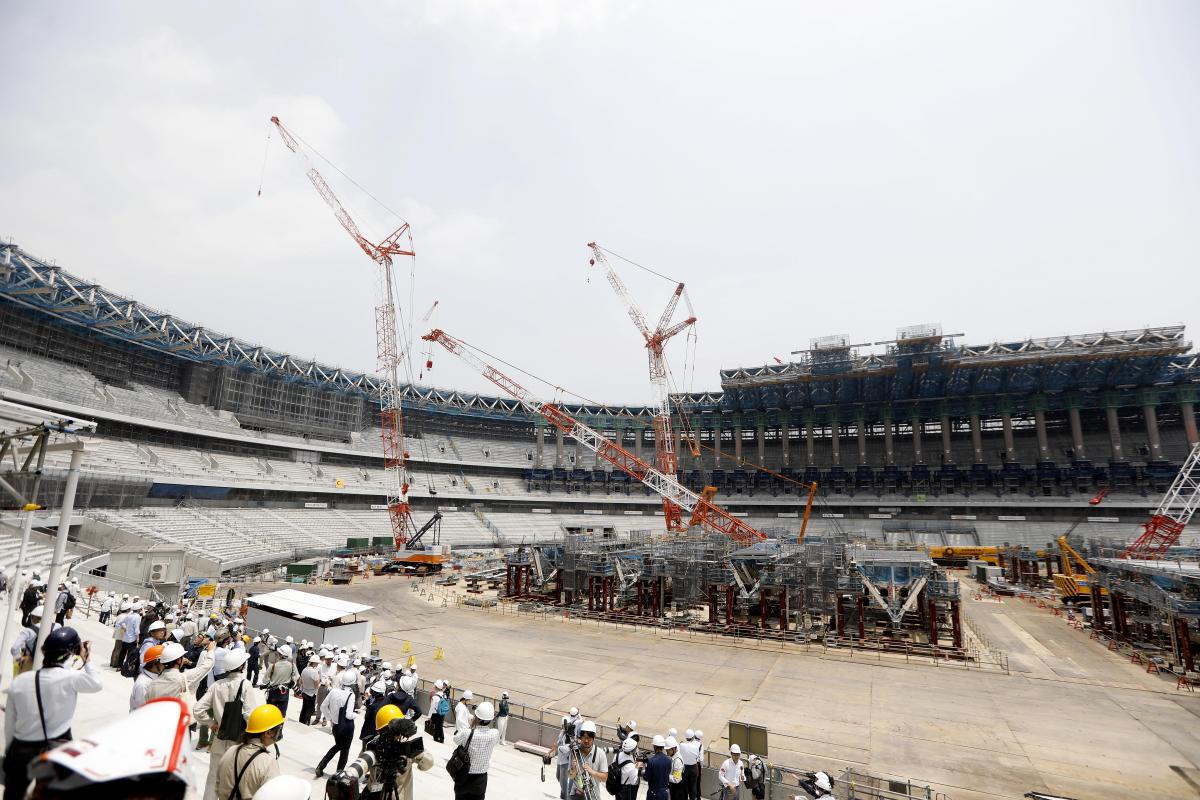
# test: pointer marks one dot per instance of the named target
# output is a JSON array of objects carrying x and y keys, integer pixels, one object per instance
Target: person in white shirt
[
  {"x": 480, "y": 738},
  {"x": 462, "y": 712},
  {"x": 151, "y": 667},
  {"x": 629, "y": 769},
  {"x": 593, "y": 759},
  {"x": 106, "y": 608},
  {"x": 731, "y": 774},
  {"x": 689, "y": 754},
  {"x": 118, "y": 651},
  {"x": 339, "y": 710},
  {"x": 676, "y": 788},
  {"x": 26, "y": 641},
  {"x": 34, "y": 724},
  {"x": 209, "y": 711}
]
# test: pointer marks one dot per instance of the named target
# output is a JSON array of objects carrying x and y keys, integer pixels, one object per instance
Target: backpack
[
  {"x": 612, "y": 784},
  {"x": 131, "y": 667},
  {"x": 443, "y": 707},
  {"x": 70, "y": 601}
]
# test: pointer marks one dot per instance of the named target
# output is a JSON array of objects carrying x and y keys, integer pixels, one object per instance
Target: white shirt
[
  {"x": 137, "y": 698},
  {"x": 326, "y": 671},
  {"x": 60, "y": 689},
  {"x": 129, "y": 627},
  {"x": 676, "y": 775},
  {"x": 731, "y": 773},
  {"x": 462, "y": 717},
  {"x": 335, "y": 701},
  {"x": 629, "y": 771},
  {"x": 689, "y": 751},
  {"x": 483, "y": 742}
]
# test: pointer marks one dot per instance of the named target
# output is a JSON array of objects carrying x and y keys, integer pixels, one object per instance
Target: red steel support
[
  {"x": 862, "y": 618},
  {"x": 841, "y": 617},
  {"x": 956, "y": 622},
  {"x": 933, "y": 622},
  {"x": 1184, "y": 641},
  {"x": 729, "y": 603},
  {"x": 1098, "y": 623},
  {"x": 783, "y": 609}
]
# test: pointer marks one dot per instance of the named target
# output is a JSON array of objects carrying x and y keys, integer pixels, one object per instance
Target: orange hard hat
[{"x": 152, "y": 654}]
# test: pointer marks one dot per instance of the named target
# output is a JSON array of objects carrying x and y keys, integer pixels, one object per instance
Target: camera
[{"x": 350, "y": 782}]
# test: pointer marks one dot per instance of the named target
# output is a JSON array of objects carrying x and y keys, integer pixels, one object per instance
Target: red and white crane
[
  {"x": 665, "y": 457},
  {"x": 1178, "y": 505},
  {"x": 703, "y": 512},
  {"x": 387, "y": 349}
]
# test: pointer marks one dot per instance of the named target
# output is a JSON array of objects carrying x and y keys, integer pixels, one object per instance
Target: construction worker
[
  {"x": 310, "y": 684},
  {"x": 246, "y": 767},
  {"x": 658, "y": 771},
  {"x": 151, "y": 667},
  {"x": 480, "y": 739},
  {"x": 462, "y": 712},
  {"x": 254, "y": 665},
  {"x": 387, "y": 781},
  {"x": 502, "y": 716},
  {"x": 156, "y": 633},
  {"x": 818, "y": 785},
  {"x": 280, "y": 678},
  {"x": 732, "y": 774},
  {"x": 576, "y": 720},
  {"x": 338, "y": 711},
  {"x": 30, "y": 599},
  {"x": 689, "y": 753},
  {"x": 124, "y": 759},
  {"x": 209, "y": 712},
  {"x": 174, "y": 680},
  {"x": 626, "y": 763},
  {"x": 376, "y": 699},
  {"x": 676, "y": 788},
  {"x": 41, "y": 706}
]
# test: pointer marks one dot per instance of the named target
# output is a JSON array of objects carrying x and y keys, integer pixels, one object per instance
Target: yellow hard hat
[
  {"x": 264, "y": 718},
  {"x": 386, "y": 714}
]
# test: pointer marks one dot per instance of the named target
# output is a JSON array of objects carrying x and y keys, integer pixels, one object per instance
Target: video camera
[{"x": 389, "y": 753}]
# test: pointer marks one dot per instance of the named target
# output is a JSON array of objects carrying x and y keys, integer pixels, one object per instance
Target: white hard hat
[
  {"x": 343, "y": 661},
  {"x": 349, "y": 677},
  {"x": 172, "y": 651},
  {"x": 485, "y": 712},
  {"x": 632, "y": 725},
  {"x": 629, "y": 745},
  {"x": 285, "y": 651},
  {"x": 734, "y": 750},
  {"x": 358, "y": 662},
  {"x": 257, "y": 639},
  {"x": 588, "y": 727},
  {"x": 672, "y": 732},
  {"x": 289, "y": 640},
  {"x": 265, "y": 630},
  {"x": 699, "y": 733},
  {"x": 658, "y": 740},
  {"x": 672, "y": 743},
  {"x": 387, "y": 666},
  {"x": 574, "y": 711},
  {"x": 235, "y": 659},
  {"x": 313, "y": 659},
  {"x": 824, "y": 782},
  {"x": 689, "y": 734},
  {"x": 408, "y": 684},
  {"x": 157, "y": 625},
  {"x": 468, "y": 695},
  {"x": 285, "y": 787},
  {"x": 178, "y": 634},
  {"x": 504, "y": 694},
  {"x": 438, "y": 684},
  {"x": 37, "y": 611},
  {"x": 379, "y": 687}
]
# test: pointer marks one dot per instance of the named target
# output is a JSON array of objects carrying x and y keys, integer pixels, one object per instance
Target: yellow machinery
[
  {"x": 954, "y": 556},
  {"x": 1073, "y": 584}
]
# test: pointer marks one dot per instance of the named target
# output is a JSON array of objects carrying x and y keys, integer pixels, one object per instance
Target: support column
[
  {"x": 1184, "y": 643},
  {"x": 841, "y": 616},
  {"x": 947, "y": 450},
  {"x": 808, "y": 439},
  {"x": 1114, "y": 433},
  {"x": 933, "y": 622},
  {"x": 1151, "y": 415},
  {"x": 761, "y": 433},
  {"x": 712, "y": 604},
  {"x": 737, "y": 442},
  {"x": 639, "y": 435},
  {"x": 862, "y": 618},
  {"x": 1076, "y": 434},
  {"x": 762, "y": 607},
  {"x": 640, "y": 597},
  {"x": 729, "y": 603},
  {"x": 718, "y": 436},
  {"x": 835, "y": 443},
  {"x": 956, "y": 622},
  {"x": 539, "y": 458},
  {"x": 1043, "y": 442},
  {"x": 783, "y": 609},
  {"x": 1098, "y": 623},
  {"x": 677, "y": 442},
  {"x": 918, "y": 457},
  {"x": 1188, "y": 410},
  {"x": 977, "y": 439},
  {"x": 1010, "y": 449},
  {"x": 785, "y": 429},
  {"x": 861, "y": 424},
  {"x": 57, "y": 570},
  {"x": 559, "y": 454},
  {"x": 889, "y": 429}
]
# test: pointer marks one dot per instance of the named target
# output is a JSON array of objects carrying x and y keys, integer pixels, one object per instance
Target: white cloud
[{"x": 527, "y": 20}]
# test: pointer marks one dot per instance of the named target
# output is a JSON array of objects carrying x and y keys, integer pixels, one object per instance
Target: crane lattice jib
[
  {"x": 709, "y": 515},
  {"x": 387, "y": 350},
  {"x": 1178, "y": 505}
]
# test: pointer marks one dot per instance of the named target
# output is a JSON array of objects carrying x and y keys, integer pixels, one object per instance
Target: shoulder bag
[
  {"x": 233, "y": 724},
  {"x": 459, "y": 763}
]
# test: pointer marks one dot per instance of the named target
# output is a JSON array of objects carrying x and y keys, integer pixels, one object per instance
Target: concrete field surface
[{"x": 1072, "y": 718}]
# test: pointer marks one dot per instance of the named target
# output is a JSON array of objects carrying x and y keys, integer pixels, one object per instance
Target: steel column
[
  {"x": 1010, "y": 448},
  {"x": 1098, "y": 623},
  {"x": 933, "y": 622},
  {"x": 835, "y": 442},
  {"x": 1184, "y": 643},
  {"x": 947, "y": 450},
  {"x": 1151, "y": 415},
  {"x": 956, "y": 622},
  {"x": 1043, "y": 442},
  {"x": 1114, "y": 433},
  {"x": 977, "y": 439},
  {"x": 1188, "y": 411},
  {"x": 1076, "y": 434},
  {"x": 862, "y": 617}
]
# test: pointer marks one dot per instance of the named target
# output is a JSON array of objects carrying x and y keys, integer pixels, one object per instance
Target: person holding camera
[
  {"x": 395, "y": 752},
  {"x": 41, "y": 705},
  {"x": 818, "y": 785},
  {"x": 480, "y": 739}
]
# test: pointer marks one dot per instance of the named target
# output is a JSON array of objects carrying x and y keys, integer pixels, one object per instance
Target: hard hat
[
  {"x": 178, "y": 634},
  {"x": 157, "y": 625},
  {"x": 387, "y": 666},
  {"x": 588, "y": 727},
  {"x": 699, "y": 733},
  {"x": 284, "y": 787},
  {"x": 379, "y": 687},
  {"x": 672, "y": 732},
  {"x": 172, "y": 651},
  {"x": 264, "y": 718},
  {"x": 234, "y": 659},
  {"x": 629, "y": 745},
  {"x": 659, "y": 741},
  {"x": 265, "y": 630},
  {"x": 61, "y": 641},
  {"x": 409, "y": 684},
  {"x": 125, "y": 606},
  {"x": 632, "y": 725},
  {"x": 823, "y": 781},
  {"x": 349, "y": 677},
  {"x": 438, "y": 684},
  {"x": 504, "y": 695},
  {"x": 289, "y": 640},
  {"x": 386, "y": 714},
  {"x": 285, "y": 651},
  {"x": 672, "y": 743},
  {"x": 358, "y": 662},
  {"x": 37, "y": 611},
  {"x": 313, "y": 659},
  {"x": 734, "y": 750},
  {"x": 257, "y": 639},
  {"x": 468, "y": 695},
  {"x": 485, "y": 712},
  {"x": 343, "y": 661},
  {"x": 237, "y": 619},
  {"x": 152, "y": 654},
  {"x": 574, "y": 711},
  {"x": 689, "y": 734}
]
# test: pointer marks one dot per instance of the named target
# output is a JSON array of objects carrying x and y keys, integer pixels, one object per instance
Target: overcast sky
[{"x": 1007, "y": 169}]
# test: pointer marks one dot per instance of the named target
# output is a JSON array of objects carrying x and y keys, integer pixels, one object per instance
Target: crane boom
[
  {"x": 666, "y": 486},
  {"x": 665, "y": 457},
  {"x": 1164, "y": 528},
  {"x": 387, "y": 349}
]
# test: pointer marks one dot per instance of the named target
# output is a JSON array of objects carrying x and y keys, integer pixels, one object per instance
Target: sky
[{"x": 1006, "y": 169}]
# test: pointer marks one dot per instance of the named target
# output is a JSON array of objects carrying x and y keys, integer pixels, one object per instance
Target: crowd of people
[{"x": 232, "y": 687}]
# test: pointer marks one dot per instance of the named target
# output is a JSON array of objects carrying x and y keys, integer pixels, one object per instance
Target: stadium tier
[{"x": 216, "y": 444}]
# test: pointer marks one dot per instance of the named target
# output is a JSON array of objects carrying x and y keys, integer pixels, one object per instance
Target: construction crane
[
  {"x": 665, "y": 457},
  {"x": 703, "y": 512},
  {"x": 1163, "y": 529},
  {"x": 387, "y": 350}
]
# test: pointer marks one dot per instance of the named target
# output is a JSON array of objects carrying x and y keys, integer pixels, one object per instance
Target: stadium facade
[{"x": 925, "y": 433}]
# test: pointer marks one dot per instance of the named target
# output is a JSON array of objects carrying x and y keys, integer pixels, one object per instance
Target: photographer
[
  {"x": 566, "y": 735},
  {"x": 396, "y": 752},
  {"x": 592, "y": 758},
  {"x": 480, "y": 739},
  {"x": 819, "y": 785}
]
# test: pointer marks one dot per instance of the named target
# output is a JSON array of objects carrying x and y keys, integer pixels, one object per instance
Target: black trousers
[
  {"x": 17, "y": 759},
  {"x": 341, "y": 748},
  {"x": 438, "y": 721},
  {"x": 307, "y": 707},
  {"x": 691, "y": 779},
  {"x": 279, "y": 698},
  {"x": 252, "y": 671},
  {"x": 678, "y": 791},
  {"x": 471, "y": 787},
  {"x": 118, "y": 654}
]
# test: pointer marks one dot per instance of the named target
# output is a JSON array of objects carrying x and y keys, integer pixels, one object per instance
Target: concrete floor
[{"x": 1071, "y": 718}]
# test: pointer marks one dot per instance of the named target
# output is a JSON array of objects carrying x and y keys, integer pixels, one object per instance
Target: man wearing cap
[
  {"x": 375, "y": 700},
  {"x": 30, "y": 600},
  {"x": 310, "y": 683},
  {"x": 462, "y": 712},
  {"x": 732, "y": 774},
  {"x": 676, "y": 788},
  {"x": 575, "y": 720},
  {"x": 658, "y": 771},
  {"x": 252, "y": 763},
  {"x": 502, "y": 716},
  {"x": 255, "y": 661},
  {"x": 189, "y": 629},
  {"x": 210, "y": 709},
  {"x": 689, "y": 753},
  {"x": 480, "y": 738},
  {"x": 131, "y": 628},
  {"x": 106, "y": 608},
  {"x": 756, "y": 777},
  {"x": 439, "y": 705},
  {"x": 151, "y": 667}
]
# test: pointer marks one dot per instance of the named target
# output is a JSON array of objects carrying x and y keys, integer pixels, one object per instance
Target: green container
[
  {"x": 382, "y": 541},
  {"x": 301, "y": 569},
  {"x": 358, "y": 542}
]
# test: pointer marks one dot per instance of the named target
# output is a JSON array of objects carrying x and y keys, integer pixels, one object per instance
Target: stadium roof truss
[{"x": 34, "y": 283}]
